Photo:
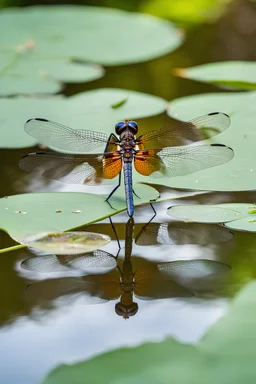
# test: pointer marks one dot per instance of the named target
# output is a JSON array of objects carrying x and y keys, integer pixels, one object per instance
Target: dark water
[{"x": 38, "y": 334}]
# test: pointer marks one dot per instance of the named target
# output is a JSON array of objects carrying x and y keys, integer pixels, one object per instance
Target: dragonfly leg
[
  {"x": 154, "y": 214},
  {"x": 145, "y": 226},
  {"x": 118, "y": 185},
  {"x": 116, "y": 236},
  {"x": 135, "y": 193}
]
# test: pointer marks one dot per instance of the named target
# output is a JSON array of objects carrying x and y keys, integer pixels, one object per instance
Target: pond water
[{"x": 38, "y": 334}]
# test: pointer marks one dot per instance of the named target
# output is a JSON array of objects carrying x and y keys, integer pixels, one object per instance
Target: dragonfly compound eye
[
  {"x": 126, "y": 311},
  {"x": 120, "y": 127},
  {"x": 133, "y": 126}
]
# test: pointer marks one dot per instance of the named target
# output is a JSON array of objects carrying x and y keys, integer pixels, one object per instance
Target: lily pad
[
  {"x": 239, "y": 174},
  {"x": 234, "y": 215},
  {"x": 235, "y": 74},
  {"x": 34, "y": 57},
  {"x": 215, "y": 359},
  {"x": 63, "y": 243},
  {"x": 87, "y": 110},
  {"x": 25, "y": 72},
  {"x": 22, "y": 215}
]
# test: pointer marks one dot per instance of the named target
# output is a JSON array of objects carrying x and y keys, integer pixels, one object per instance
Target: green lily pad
[
  {"x": 226, "y": 354},
  {"x": 234, "y": 215},
  {"x": 63, "y": 243},
  {"x": 25, "y": 214},
  {"x": 40, "y": 49},
  {"x": 25, "y": 72},
  {"x": 87, "y": 110},
  {"x": 235, "y": 74},
  {"x": 239, "y": 174}
]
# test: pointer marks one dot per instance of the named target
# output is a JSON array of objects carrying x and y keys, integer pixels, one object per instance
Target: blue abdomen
[{"x": 128, "y": 188}]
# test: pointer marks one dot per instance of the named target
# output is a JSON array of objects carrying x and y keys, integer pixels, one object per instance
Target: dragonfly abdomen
[{"x": 128, "y": 187}]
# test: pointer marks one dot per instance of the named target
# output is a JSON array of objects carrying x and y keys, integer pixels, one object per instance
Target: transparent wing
[
  {"x": 51, "y": 263},
  {"x": 74, "y": 169},
  {"x": 59, "y": 136},
  {"x": 181, "y": 161},
  {"x": 65, "y": 289},
  {"x": 182, "y": 233},
  {"x": 196, "y": 275},
  {"x": 151, "y": 285},
  {"x": 190, "y": 130},
  {"x": 95, "y": 288}
]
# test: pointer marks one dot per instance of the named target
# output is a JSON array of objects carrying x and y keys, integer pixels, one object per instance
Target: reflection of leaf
[
  {"x": 34, "y": 57},
  {"x": 88, "y": 110},
  {"x": 236, "y": 74},
  {"x": 225, "y": 355},
  {"x": 240, "y": 173},
  {"x": 234, "y": 215},
  {"x": 24, "y": 214},
  {"x": 63, "y": 243}
]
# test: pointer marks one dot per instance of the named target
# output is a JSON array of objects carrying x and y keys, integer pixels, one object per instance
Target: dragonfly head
[
  {"x": 123, "y": 125},
  {"x": 126, "y": 310}
]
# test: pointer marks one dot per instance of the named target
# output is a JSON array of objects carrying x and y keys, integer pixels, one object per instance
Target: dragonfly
[
  {"x": 127, "y": 278},
  {"x": 122, "y": 150}
]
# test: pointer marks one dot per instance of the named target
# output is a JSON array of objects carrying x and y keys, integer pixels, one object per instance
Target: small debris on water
[{"x": 119, "y": 103}]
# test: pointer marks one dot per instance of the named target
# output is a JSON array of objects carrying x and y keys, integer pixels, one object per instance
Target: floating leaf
[
  {"x": 234, "y": 215},
  {"x": 63, "y": 243},
  {"x": 34, "y": 58},
  {"x": 21, "y": 215},
  {"x": 240, "y": 173},
  {"x": 235, "y": 74},
  {"x": 226, "y": 354},
  {"x": 25, "y": 72},
  {"x": 87, "y": 110}
]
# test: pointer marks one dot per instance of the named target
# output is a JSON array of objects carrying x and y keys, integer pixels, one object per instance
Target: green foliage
[
  {"x": 226, "y": 354},
  {"x": 240, "y": 173},
  {"x": 26, "y": 214},
  {"x": 186, "y": 12},
  {"x": 23, "y": 71},
  {"x": 89, "y": 110},
  {"x": 235, "y": 74},
  {"x": 235, "y": 216},
  {"x": 35, "y": 58}
]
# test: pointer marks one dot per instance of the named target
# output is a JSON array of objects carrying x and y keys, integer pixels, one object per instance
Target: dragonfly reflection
[
  {"x": 179, "y": 233},
  {"x": 132, "y": 276},
  {"x": 121, "y": 150}
]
